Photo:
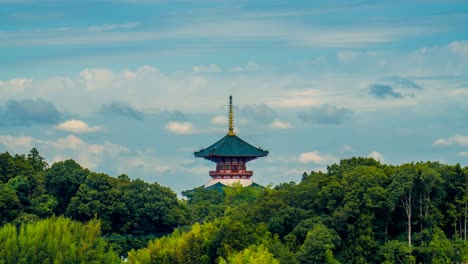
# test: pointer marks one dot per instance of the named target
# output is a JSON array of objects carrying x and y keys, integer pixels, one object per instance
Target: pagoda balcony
[{"x": 230, "y": 173}]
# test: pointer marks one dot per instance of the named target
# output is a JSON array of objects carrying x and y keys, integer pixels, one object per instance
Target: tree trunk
[
  {"x": 407, "y": 205},
  {"x": 420, "y": 214},
  {"x": 460, "y": 228},
  {"x": 386, "y": 231},
  {"x": 426, "y": 207},
  {"x": 464, "y": 216},
  {"x": 409, "y": 233}
]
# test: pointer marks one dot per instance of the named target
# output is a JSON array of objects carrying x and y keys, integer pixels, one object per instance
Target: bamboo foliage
[{"x": 54, "y": 240}]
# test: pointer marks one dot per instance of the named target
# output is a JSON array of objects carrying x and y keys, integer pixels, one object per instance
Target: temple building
[{"x": 231, "y": 155}]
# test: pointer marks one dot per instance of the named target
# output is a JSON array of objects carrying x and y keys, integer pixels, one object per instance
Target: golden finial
[{"x": 231, "y": 118}]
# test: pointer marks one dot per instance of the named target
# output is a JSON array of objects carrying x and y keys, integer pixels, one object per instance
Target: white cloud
[
  {"x": 16, "y": 84},
  {"x": 294, "y": 34},
  {"x": 145, "y": 163},
  {"x": 460, "y": 48},
  {"x": 377, "y": 156},
  {"x": 219, "y": 120},
  {"x": 97, "y": 78},
  {"x": 128, "y": 75},
  {"x": 148, "y": 89},
  {"x": 76, "y": 126},
  {"x": 316, "y": 157},
  {"x": 70, "y": 147},
  {"x": 110, "y": 27},
  {"x": 179, "y": 127},
  {"x": 88, "y": 155},
  {"x": 203, "y": 69},
  {"x": 278, "y": 124},
  {"x": 458, "y": 92},
  {"x": 347, "y": 56},
  {"x": 75, "y": 143},
  {"x": 455, "y": 140},
  {"x": 346, "y": 148},
  {"x": 237, "y": 69},
  {"x": 449, "y": 60},
  {"x": 15, "y": 143},
  {"x": 446, "y": 60},
  {"x": 249, "y": 67},
  {"x": 277, "y": 158},
  {"x": 296, "y": 99}
]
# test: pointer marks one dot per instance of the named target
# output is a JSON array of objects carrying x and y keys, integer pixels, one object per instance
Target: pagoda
[{"x": 231, "y": 155}]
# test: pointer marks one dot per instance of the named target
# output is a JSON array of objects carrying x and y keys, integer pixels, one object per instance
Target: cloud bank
[
  {"x": 121, "y": 109},
  {"x": 28, "y": 112}
]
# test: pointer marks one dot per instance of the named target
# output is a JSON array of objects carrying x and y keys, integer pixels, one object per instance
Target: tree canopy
[{"x": 358, "y": 211}]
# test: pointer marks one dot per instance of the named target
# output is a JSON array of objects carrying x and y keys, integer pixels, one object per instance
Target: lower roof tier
[{"x": 229, "y": 182}]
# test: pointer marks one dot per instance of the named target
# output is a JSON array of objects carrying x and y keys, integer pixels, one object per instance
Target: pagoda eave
[
  {"x": 231, "y": 174},
  {"x": 218, "y": 157}
]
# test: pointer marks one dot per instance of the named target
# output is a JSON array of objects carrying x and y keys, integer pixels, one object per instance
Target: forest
[{"x": 358, "y": 211}]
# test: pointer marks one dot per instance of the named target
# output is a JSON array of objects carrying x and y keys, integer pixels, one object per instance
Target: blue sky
[{"x": 135, "y": 87}]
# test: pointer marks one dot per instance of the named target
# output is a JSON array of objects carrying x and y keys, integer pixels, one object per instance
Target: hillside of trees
[
  {"x": 131, "y": 212},
  {"x": 359, "y": 211}
]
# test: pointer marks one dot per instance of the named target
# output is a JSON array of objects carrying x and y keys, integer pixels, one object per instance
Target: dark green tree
[
  {"x": 9, "y": 204},
  {"x": 62, "y": 181}
]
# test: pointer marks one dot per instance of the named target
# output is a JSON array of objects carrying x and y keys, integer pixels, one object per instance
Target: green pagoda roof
[{"x": 231, "y": 146}]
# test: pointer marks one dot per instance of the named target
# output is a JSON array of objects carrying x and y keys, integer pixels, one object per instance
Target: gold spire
[{"x": 231, "y": 118}]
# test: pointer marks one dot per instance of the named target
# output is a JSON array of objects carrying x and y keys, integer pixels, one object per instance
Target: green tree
[
  {"x": 62, "y": 181},
  {"x": 318, "y": 246},
  {"x": 179, "y": 247},
  {"x": 205, "y": 204},
  {"x": 153, "y": 209},
  {"x": 37, "y": 161},
  {"x": 346, "y": 165},
  {"x": 394, "y": 251},
  {"x": 429, "y": 184},
  {"x": 252, "y": 255},
  {"x": 402, "y": 192},
  {"x": 93, "y": 199},
  {"x": 5, "y": 163},
  {"x": 355, "y": 219},
  {"x": 9, "y": 204},
  {"x": 440, "y": 248},
  {"x": 44, "y": 205}
]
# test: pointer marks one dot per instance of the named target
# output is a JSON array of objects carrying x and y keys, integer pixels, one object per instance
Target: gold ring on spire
[{"x": 231, "y": 118}]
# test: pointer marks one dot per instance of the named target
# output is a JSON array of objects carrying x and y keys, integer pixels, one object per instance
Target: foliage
[
  {"x": 252, "y": 255},
  {"x": 55, "y": 240},
  {"x": 359, "y": 211},
  {"x": 62, "y": 181},
  {"x": 131, "y": 212},
  {"x": 189, "y": 247},
  {"x": 318, "y": 246}
]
